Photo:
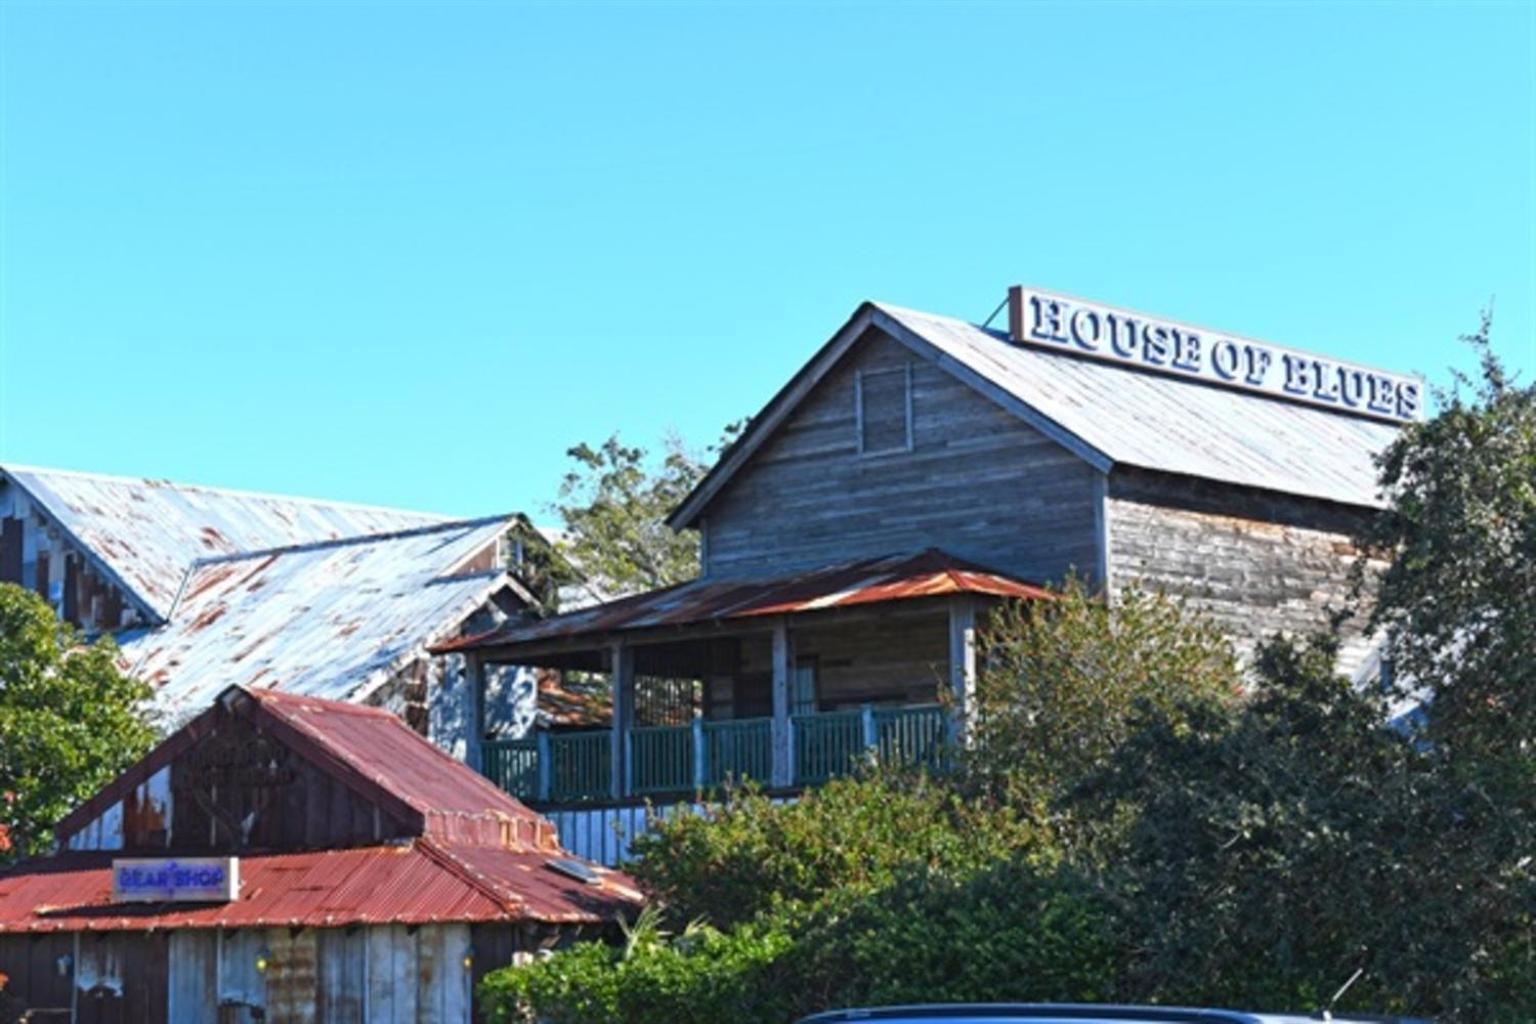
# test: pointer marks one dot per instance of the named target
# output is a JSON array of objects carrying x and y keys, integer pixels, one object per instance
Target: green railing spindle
[
  {"x": 580, "y": 768},
  {"x": 827, "y": 745},
  {"x": 737, "y": 749},
  {"x": 911, "y": 736},
  {"x": 661, "y": 759}
]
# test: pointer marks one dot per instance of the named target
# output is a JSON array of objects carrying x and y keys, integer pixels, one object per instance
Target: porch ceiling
[{"x": 701, "y": 607}]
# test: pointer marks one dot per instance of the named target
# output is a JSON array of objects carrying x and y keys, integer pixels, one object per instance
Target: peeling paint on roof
[
  {"x": 332, "y": 619},
  {"x": 145, "y": 533}
]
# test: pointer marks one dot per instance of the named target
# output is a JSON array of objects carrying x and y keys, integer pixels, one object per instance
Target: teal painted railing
[
  {"x": 828, "y": 745},
  {"x": 576, "y": 767},
  {"x": 661, "y": 759},
  {"x": 513, "y": 765},
  {"x": 580, "y": 766},
  {"x": 911, "y": 736},
  {"x": 737, "y": 749}
]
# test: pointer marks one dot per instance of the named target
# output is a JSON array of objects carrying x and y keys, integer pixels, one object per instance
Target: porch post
[
  {"x": 474, "y": 728},
  {"x": 962, "y": 668},
  {"x": 783, "y": 671},
  {"x": 621, "y": 662}
]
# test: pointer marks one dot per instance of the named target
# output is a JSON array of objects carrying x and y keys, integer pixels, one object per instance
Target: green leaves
[{"x": 69, "y": 720}]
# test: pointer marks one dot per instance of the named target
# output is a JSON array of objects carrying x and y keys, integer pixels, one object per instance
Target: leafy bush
[{"x": 751, "y": 855}]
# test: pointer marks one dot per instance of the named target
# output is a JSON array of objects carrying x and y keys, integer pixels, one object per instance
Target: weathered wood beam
[
  {"x": 621, "y": 662},
  {"x": 962, "y": 668},
  {"x": 783, "y": 672}
]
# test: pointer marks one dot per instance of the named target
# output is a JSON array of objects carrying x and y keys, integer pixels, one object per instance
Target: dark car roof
[{"x": 984, "y": 1013}]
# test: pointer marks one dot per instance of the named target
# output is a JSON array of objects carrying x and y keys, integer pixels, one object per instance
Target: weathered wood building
[
  {"x": 918, "y": 468},
  {"x": 206, "y": 587},
  {"x": 367, "y": 876}
]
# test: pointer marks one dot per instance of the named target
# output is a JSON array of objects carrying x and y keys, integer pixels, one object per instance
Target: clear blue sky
[{"x": 409, "y": 254}]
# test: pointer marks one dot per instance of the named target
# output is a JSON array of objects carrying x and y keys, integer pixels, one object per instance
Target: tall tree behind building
[{"x": 613, "y": 506}]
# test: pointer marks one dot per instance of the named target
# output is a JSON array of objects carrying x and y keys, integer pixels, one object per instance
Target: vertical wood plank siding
[
  {"x": 977, "y": 483},
  {"x": 388, "y": 974},
  {"x": 1258, "y": 563}
]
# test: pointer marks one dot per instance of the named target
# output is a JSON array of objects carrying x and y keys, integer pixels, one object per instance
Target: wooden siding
[
  {"x": 382, "y": 975},
  {"x": 1258, "y": 562},
  {"x": 978, "y": 483},
  {"x": 238, "y": 790}
]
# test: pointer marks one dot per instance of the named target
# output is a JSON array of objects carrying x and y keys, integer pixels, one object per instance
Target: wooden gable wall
[
  {"x": 239, "y": 789},
  {"x": 977, "y": 483}
]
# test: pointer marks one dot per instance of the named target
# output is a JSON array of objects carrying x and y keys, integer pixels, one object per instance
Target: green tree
[
  {"x": 613, "y": 506},
  {"x": 1459, "y": 597},
  {"x": 69, "y": 720},
  {"x": 1058, "y": 682}
]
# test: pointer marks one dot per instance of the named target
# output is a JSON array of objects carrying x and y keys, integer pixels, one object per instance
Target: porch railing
[{"x": 576, "y": 767}]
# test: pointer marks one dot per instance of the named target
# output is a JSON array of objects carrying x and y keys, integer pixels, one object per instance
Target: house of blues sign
[
  {"x": 1114, "y": 335},
  {"x": 175, "y": 879}
]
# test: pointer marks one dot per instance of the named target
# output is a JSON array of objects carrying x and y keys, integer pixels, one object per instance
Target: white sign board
[
  {"x": 175, "y": 880},
  {"x": 1056, "y": 322}
]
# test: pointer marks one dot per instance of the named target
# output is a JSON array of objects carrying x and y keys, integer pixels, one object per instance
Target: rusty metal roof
[
  {"x": 418, "y": 882},
  {"x": 931, "y": 573},
  {"x": 147, "y": 533},
  {"x": 370, "y": 750},
  {"x": 332, "y": 619}
]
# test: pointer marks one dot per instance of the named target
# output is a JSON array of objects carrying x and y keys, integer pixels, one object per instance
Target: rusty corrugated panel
[
  {"x": 930, "y": 573},
  {"x": 147, "y": 532},
  {"x": 331, "y": 620},
  {"x": 415, "y": 883},
  {"x": 1171, "y": 425}
]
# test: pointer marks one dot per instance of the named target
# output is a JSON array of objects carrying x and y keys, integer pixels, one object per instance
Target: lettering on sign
[
  {"x": 180, "y": 880},
  {"x": 1134, "y": 339}
]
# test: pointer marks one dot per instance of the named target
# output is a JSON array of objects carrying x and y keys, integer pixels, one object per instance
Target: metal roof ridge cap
[
  {"x": 352, "y": 541},
  {"x": 440, "y": 854},
  {"x": 215, "y": 489}
]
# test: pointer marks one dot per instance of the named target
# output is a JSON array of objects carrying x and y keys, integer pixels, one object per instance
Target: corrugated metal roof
[
  {"x": 369, "y": 748},
  {"x": 931, "y": 573},
  {"x": 332, "y": 619},
  {"x": 419, "y": 882},
  {"x": 146, "y": 533},
  {"x": 1169, "y": 424}
]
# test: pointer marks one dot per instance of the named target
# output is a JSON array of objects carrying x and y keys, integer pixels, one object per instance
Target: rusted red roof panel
[
  {"x": 372, "y": 751},
  {"x": 414, "y": 883},
  {"x": 931, "y": 573}
]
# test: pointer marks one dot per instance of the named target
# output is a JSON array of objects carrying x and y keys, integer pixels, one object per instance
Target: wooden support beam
[
  {"x": 621, "y": 668},
  {"x": 783, "y": 674},
  {"x": 962, "y": 668},
  {"x": 474, "y": 729}
]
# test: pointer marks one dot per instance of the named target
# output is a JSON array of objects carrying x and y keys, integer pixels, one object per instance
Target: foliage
[
  {"x": 1015, "y": 930},
  {"x": 1280, "y": 846},
  {"x": 702, "y": 975},
  {"x": 69, "y": 720},
  {"x": 878, "y": 886},
  {"x": 1460, "y": 595},
  {"x": 1058, "y": 680},
  {"x": 614, "y": 504},
  {"x": 751, "y": 855}
]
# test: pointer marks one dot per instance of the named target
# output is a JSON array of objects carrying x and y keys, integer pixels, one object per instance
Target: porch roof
[{"x": 930, "y": 573}]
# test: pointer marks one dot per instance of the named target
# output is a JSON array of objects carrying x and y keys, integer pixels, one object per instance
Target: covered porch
[{"x": 788, "y": 682}]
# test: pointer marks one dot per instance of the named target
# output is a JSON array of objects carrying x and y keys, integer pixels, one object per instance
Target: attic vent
[
  {"x": 583, "y": 873},
  {"x": 882, "y": 403}
]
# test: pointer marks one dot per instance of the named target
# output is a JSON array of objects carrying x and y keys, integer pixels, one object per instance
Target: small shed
[{"x": 287, "y": 858}]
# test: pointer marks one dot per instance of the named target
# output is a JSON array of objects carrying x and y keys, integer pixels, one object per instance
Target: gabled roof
[
  {"x": 1106, "y": 414},
  {"x": 930, "y": 573},
  {"x": 370, "y": 750},
  {"x": 146, "y": 533},
  {"x": 476, "y": 853},
  {"x": 333, "y": 619},
  {"x": 420, "y": 882}
]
